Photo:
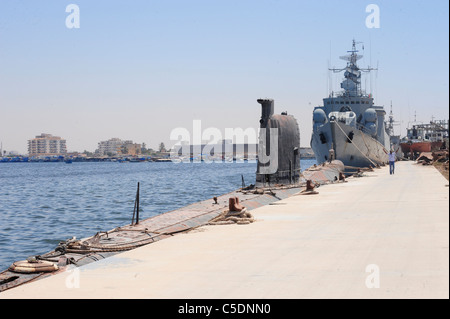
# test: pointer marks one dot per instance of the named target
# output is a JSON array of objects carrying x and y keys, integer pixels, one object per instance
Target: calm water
[{"x": 44, "y": 203}]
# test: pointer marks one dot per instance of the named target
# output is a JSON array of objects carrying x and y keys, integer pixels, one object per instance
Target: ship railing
[{"x": 343, "y": 93}]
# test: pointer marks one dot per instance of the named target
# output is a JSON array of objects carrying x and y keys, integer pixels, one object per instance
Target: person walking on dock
[{"x": 392, "y": 159}]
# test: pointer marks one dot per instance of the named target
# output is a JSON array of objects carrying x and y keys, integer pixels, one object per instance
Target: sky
[{"x": 139, "y": 69}]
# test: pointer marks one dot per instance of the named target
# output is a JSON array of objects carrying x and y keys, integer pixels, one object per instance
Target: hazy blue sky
[{"x": 138, "y": 69}]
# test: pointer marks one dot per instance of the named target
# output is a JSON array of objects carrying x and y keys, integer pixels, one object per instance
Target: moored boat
[{"x": 424, "y": 138}]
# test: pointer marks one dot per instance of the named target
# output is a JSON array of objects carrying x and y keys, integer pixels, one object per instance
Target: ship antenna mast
[{"x": 352, "y": 82}]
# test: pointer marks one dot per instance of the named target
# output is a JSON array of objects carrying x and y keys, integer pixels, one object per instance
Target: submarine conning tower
[{"x": 278, "y": 148}]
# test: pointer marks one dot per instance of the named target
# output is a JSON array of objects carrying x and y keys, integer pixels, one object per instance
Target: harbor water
[{"x": 42, "y": 204}]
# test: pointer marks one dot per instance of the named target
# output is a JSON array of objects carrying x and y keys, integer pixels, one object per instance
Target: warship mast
[{"x": 352, "y": 82}]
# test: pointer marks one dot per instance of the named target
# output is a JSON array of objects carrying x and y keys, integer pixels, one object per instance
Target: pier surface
[{"x": 378, "y": 236}]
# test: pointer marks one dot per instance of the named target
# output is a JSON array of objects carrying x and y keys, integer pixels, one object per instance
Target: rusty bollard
[
  {"x": 309, "y": 185},
  {"x": 234, "y": 205}
]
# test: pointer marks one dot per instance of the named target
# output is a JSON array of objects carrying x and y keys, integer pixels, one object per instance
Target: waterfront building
[
  {"x": 46, "y": 145},
  {"x": 115, "y": 146},
  {"x": 131, "y": 149}
]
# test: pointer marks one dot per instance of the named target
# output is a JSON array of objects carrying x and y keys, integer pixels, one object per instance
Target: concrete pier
[{"x": 378, "y": 236}]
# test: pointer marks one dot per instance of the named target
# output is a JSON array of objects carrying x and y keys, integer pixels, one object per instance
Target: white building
[
  {"x": 112, "y": 146},
  {"x": 46, "y": 144}
]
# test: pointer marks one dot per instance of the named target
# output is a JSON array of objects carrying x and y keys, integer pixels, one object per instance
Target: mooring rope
[{"x": 355, "y": 144}]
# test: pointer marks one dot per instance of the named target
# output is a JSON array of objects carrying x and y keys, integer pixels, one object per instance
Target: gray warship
[{"x": 349, "y": 127}]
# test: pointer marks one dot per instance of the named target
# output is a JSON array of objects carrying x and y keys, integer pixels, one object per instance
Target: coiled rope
[{"x": 227, "y": 217}]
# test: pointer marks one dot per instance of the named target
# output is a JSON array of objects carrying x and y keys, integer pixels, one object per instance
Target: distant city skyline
[{"x": 138, "y": 70}]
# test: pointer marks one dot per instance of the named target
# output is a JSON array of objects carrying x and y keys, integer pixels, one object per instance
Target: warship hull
[
  {"x": 351, "y": 146},
  {"x": 361, "y": 151}
]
